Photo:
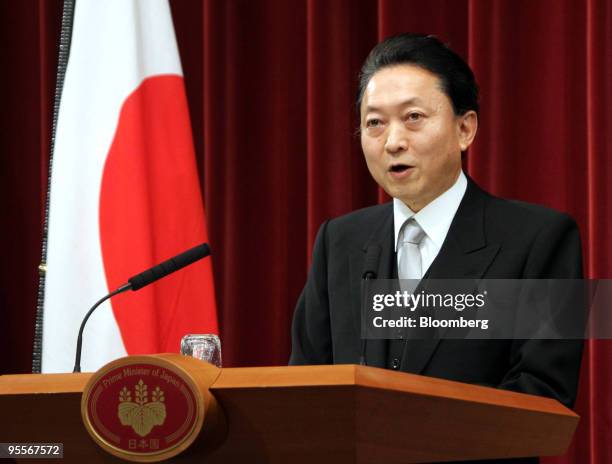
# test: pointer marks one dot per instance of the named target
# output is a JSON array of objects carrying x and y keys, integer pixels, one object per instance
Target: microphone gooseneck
[
  {"x": 77, "y": 361},
  {"x": 370, "y": 265},
  {"x": 370, "y": 271}
]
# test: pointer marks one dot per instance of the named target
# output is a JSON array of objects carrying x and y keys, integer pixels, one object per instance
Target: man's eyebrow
[{"x": 409, "y": 101}]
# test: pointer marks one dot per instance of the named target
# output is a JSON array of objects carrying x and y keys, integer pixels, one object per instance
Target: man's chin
[
  {"x": 414, "y": 200},
  {"x": 404, "y": 193}
]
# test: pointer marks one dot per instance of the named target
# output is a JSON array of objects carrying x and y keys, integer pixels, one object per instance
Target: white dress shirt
[{"x": 435, "y": 220}]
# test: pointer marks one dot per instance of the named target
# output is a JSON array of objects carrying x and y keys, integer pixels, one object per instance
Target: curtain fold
[
  {"x": 338, "y": 35},
  {"x": 271, "y": 86},
  {"x": 30, "y": 38},
  {"x": 255, "y": 150}
]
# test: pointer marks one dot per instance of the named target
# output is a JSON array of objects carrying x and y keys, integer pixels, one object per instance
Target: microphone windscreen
[{"x": 168, "y": 267}]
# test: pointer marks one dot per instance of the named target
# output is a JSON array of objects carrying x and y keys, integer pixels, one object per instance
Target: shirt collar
[{"x": 436, "y": 217}]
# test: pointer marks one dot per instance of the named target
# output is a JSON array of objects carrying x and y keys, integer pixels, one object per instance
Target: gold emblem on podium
[
  {"x": 141, "y": 414},
  {"x": 150, "y": 408}
]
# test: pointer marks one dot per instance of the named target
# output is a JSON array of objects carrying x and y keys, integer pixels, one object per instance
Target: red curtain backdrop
[{"x": 271, "y": 86}]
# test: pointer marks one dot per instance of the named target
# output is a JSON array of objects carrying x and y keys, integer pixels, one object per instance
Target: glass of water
[{"x": 205, "y": 347}]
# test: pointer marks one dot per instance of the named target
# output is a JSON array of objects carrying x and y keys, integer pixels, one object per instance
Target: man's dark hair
[{"x": 426, "y": 51}]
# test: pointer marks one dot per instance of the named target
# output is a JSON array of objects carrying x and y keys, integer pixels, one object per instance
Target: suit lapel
[
  {"x": 465, "y": 254},
  {"x": 376, "y": 350}
]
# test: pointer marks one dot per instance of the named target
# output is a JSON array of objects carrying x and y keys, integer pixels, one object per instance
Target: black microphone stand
[{"x": 77, "y": 361}]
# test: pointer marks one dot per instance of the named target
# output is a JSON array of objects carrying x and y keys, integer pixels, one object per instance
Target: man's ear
[{"x": 467, "y": 125}]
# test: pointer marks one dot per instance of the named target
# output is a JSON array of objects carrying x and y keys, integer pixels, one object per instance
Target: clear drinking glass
[{"x": 206, "y": 347}]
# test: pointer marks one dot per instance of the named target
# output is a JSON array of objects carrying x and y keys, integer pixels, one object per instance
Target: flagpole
[{"x": 64, "y": 52}]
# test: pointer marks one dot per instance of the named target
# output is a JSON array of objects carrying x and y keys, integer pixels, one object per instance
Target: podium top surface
[
  {"x": 312, "y": 376},
  {"x": 376, "y": 378}
]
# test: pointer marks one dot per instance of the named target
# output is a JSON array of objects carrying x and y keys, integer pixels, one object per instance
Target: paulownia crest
[{"x": 141, "y": 414}]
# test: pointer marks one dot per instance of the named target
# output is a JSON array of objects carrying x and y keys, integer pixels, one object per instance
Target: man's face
[{"x": 411, "y": 138}]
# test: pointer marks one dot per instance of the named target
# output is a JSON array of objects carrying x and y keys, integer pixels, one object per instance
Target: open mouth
[{"x": 400, "y": 168}]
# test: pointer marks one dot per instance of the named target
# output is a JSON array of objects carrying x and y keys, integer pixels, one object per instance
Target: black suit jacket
[{"x": 488, "y": 238}]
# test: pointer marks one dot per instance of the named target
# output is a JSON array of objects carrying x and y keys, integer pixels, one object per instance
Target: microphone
[
  {"x": 142, "y": 280},
  {"x": 372, "y": 259},
  {"x": 370, "y": 271},
  {"x": 168, "y": 267}
]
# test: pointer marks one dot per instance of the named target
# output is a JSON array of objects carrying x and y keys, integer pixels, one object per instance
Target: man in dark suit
[{"x": 418, "y": 106}]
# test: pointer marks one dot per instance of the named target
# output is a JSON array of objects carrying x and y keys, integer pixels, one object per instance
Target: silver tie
[{"x": 410, "y": 265}]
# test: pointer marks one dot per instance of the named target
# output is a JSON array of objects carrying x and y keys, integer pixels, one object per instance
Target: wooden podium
[{"x": 322, "y": 414}]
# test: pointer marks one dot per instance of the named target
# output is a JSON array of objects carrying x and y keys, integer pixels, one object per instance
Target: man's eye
[
  {"x": 414, "y": 116},
  {"x": 373, "y": 123}
]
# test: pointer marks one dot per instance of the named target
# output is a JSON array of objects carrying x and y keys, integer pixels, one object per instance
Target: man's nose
[{"x": 397, "y": 139}]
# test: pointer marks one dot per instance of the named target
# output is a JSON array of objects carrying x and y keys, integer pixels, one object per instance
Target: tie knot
[{"x": 412, "y": 232}]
